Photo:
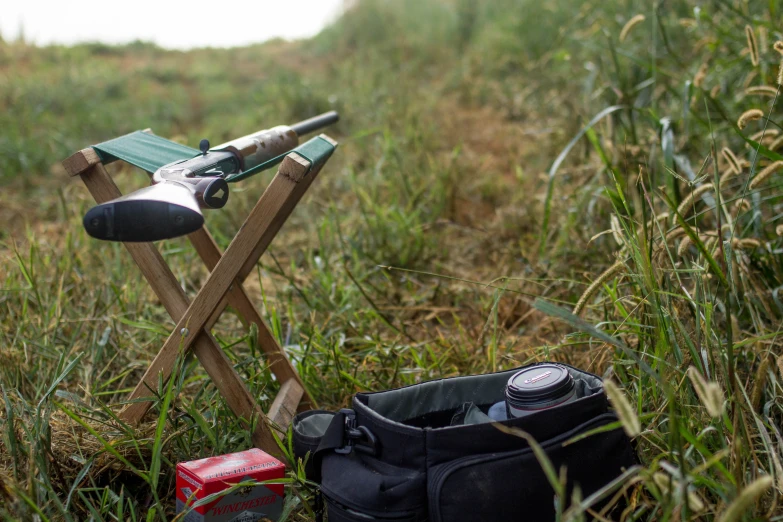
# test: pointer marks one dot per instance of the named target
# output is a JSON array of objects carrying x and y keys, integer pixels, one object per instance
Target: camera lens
[{"x": 538, "y": 388}]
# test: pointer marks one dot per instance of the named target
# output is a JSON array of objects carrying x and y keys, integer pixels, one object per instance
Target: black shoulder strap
[{"x": 343, "y": 435}]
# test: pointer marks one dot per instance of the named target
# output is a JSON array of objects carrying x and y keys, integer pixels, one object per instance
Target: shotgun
[{"x": 171, "y": 206}]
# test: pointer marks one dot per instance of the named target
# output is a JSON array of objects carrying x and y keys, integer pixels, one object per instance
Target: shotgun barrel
[
  {"x": 255, "y": 149},
  {"x": 171, "y": 206},
  {"x": 315, "y": 123}
]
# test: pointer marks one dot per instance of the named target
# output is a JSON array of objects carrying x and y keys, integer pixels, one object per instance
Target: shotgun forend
[{"x": 171, "y": 205}]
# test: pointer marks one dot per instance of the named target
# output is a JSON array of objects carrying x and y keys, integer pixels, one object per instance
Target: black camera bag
[{"x": 397, "y": 455}]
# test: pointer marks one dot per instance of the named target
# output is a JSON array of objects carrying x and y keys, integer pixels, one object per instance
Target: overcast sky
[{"x": 173, "y": 24}]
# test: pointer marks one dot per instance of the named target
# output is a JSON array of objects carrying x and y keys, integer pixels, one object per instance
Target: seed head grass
[
  {"x": 763, "y": 90},
  {"x": 625, "y": 411},
  {"x": 709, "y": 393},
  {"x": 746, "y": 499},
  {"x": 765, "y": 135},
  {"x": 683, "y": 247},
  {"x": 701, "y": 75},
  {"x": 630, "y": 24},
  {"x": 765, "y": 173},
  {"x": 748, "y": 116},
  {"x": 595, "y": 285},
  {"x": 753, "y": 50},
  {"x": 687, "y": 203},
  {"x": 731, "y": 159}
]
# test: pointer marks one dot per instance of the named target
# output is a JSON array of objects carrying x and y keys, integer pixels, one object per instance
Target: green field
[{"x": 516, "y": 181}]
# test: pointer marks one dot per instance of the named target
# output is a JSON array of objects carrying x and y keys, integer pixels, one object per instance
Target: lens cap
[{"x": 541, "y": 383}]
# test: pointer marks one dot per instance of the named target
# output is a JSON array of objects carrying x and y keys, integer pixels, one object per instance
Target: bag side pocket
[
  {"x": 512, "y": 486},
  {"x": 359, "y": 486}
]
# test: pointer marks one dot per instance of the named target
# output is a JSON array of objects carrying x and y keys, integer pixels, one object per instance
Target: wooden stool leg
[
  {"x": 237, "y": 297},
  {"x": 283, "y": 408},
  {"x": 168, "y": 290}
]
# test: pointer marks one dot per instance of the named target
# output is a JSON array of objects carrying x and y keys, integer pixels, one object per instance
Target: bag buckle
[{"x": 355, "y": 436}]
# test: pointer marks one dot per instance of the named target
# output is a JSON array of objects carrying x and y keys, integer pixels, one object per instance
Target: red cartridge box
[{"x": 198, "y": 479}]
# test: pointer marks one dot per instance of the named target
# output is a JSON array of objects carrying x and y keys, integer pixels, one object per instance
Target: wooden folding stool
[{"x": 223, "y": 287}]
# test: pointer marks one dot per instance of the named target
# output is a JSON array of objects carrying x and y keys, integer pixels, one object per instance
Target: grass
[{"x": 499, "y": 163}]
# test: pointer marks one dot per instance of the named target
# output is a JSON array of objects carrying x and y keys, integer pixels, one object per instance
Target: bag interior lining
[
  {"x": 314, "y": 425},
  {"x": 449, "y": 394}
]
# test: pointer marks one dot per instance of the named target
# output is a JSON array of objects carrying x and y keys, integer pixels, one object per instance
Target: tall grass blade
[
  {"x": 556, "y": 165},
  {"x": 583, "y": 326}
]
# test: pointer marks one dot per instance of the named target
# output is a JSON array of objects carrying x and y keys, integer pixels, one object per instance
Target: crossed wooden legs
[{"x": 223, "y": 286}]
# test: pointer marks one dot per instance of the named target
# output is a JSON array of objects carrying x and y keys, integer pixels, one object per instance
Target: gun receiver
[{"x": 171, "y": 205}]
